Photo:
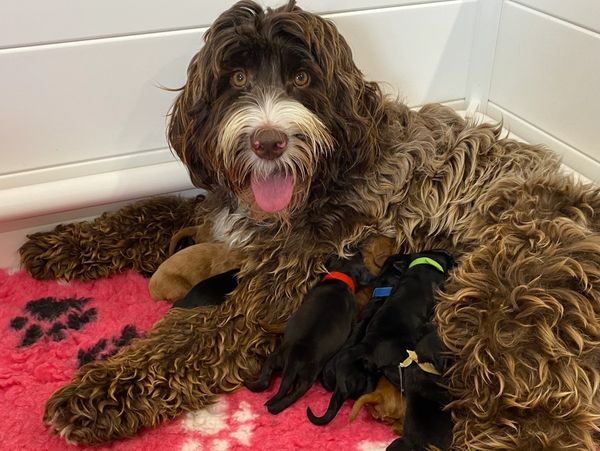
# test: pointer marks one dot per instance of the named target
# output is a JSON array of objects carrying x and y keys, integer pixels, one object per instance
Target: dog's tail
[{"x": 335, "y": 404}]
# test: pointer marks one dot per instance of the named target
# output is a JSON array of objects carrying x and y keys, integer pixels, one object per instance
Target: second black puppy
[
  {"x": 314, "y": 333},
  {"x": 209, "y": 292},
  {"x": 400, "y": 323},
  {"x": 426, "y": 422}
]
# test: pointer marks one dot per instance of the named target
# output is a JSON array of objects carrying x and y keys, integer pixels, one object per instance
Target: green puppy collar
[{"x": 426, "y": 261}]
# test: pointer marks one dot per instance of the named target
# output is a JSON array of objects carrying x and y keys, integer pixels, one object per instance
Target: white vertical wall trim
[{"x": 483, "y": 49}]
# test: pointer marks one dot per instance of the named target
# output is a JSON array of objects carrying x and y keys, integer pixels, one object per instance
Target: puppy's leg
[
  {"x": 288, "y": 377},
  {"x": 401, "y": 444},
  {"x": 297, "y": 392},
  {"x": 264, "y": 380}
]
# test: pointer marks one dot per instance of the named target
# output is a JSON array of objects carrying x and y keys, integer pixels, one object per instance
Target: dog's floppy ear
[
  {"x": 189, "y": 115},
  {"x": 356, "y": 104}
]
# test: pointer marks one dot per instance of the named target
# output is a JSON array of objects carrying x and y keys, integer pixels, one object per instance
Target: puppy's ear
[{"x": 448, "y": 261}]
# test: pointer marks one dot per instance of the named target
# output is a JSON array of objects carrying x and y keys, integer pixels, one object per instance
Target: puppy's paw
[{"x": 257, "y": 385}]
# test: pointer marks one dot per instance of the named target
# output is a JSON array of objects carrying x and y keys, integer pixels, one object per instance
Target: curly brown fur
[
  {"x": 385, "y": 403},
  {"x": 428, "y": 179},
  {"x": 521, "y": 315},
  {"x": 135, "y": 237}
]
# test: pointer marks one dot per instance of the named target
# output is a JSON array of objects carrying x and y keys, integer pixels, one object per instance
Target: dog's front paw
[
  {"x": 65, "y": 417},
  {"x": 86, "y": 412}
]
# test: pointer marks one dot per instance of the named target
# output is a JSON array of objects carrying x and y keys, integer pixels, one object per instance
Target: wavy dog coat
[{"x": 520, "y": 314}]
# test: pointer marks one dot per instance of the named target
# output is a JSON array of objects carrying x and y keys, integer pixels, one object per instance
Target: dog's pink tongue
[{"x": 273, "y": 193}]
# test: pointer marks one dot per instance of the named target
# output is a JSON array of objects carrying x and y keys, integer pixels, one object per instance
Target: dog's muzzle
[{"x": 268, "y": 143}]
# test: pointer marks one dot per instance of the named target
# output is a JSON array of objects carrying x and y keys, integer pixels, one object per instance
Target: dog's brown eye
[
  {"x": 301, "y": 79},
  {"x": 239, "y": 79}
]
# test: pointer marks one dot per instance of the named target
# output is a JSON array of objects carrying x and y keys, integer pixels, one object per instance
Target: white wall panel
[
  {"x": 96, "y": 105},
  {"x": 547, "y": 72},
  {"x": 33, "y": 21},
  {"x": 585, "y": 13},
  {"x": 420, "y": 51},
  {"x": 24, "y": 22},
  {"x": 64, "y": 103}
]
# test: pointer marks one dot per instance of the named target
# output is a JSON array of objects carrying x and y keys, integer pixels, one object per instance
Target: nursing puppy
[
  {"x": 389, "y": 277},
  {"x": 426, "y": 422},
  {"x": 209, "y": 292},
  {"x": 385, "y": 403},
  {"x": 314, "y": 333},
  {"x": 399, "y": 324},
  {"x": 346, "y": 374}
]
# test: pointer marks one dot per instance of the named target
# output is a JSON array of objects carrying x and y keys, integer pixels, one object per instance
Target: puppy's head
[
  {"x": 442, "y": 256},
  {"x": 273, "y": 104},
  {"x": 353, "y": 267}
]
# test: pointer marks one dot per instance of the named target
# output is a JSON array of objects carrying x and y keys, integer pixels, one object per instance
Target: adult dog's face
[{"x": 273, "y": 103}]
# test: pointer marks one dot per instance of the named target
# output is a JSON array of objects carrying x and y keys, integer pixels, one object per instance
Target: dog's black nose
[{"x": 268, "y": 143}]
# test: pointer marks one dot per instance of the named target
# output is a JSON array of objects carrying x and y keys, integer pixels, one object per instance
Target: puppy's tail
[
  {"x": 186, "y": 232},
  {"x": 369, "y": 398},
  {"x": 335, "y": 404}
]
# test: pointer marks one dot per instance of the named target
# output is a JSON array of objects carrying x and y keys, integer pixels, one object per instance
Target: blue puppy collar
[{"x": 382, "y": 292}]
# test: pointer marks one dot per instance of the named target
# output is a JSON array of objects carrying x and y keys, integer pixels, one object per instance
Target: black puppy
[
  {"x": 314, "y": 333},
  {"x": 386, "y": 282},
  {"x": 353, "y": 379},
  {"x": 209, "y": 292},
  {"x": 399, "y": 324},
  {"x": 426, "y": 422},
  {"x": 392, "y": 326}
]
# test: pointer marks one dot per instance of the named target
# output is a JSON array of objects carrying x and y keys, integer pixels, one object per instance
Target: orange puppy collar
[{"x": 335, "y": 275}]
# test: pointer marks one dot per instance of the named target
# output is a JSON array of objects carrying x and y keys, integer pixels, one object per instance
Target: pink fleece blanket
[{"x": 51, "y": 328}]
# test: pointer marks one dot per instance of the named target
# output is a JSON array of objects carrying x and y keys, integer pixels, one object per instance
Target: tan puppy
[
  {"x": 184, "y": 269},
  {"x": 385, "y": 403}
]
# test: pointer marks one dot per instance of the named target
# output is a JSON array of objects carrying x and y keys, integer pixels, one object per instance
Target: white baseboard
[{"x": 92, "y": 190}]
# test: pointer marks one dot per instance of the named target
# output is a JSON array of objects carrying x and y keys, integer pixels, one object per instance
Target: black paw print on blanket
[
  {"x": 104, "y": 349},
  {"x": 52, "y": 317}
]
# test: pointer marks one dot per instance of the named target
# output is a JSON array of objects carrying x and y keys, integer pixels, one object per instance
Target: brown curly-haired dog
[{"x": 302, "y": 158}]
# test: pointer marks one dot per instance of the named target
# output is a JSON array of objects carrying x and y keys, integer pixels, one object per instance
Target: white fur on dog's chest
[{"x": 228, "y": 227}]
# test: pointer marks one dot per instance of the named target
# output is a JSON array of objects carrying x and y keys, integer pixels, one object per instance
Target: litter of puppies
[{"x": 388, "y": 357}]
